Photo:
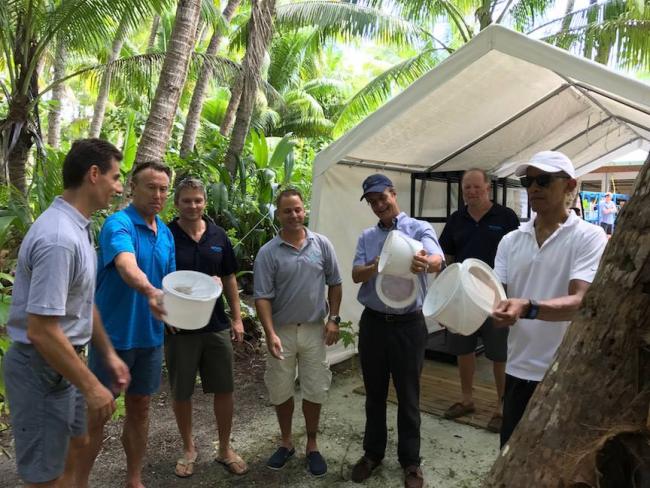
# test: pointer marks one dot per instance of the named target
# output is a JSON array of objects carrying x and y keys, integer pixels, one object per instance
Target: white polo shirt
[{"x": 572, "y": 252}]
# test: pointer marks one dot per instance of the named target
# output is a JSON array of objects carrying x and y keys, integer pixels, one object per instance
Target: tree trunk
[
  {"x": 153, "y": 33},
  {"x": 601, "y": 376},
  {"x": 54, "y": 114},
  {"x": 233, "y": 104},
  {"x": 105, "y": 84},
  {"x": 198, "y": 97},
  {"x": 172, "y": 78},
  {"x": 259, "y": 39}
]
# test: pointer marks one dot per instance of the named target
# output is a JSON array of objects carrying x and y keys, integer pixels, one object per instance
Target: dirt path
[{"x": 453, "y": 455}]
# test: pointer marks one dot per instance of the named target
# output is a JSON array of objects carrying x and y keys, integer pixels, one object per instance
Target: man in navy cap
[{"x": 391, "y": 341}]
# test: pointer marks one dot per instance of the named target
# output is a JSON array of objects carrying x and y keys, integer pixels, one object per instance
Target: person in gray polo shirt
[
  {"x": 291, "y": 273},
  {"x": 51, "y": 320}
]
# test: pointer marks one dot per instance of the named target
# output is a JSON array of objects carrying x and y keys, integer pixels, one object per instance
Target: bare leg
[
  {"x": 78, "y": 446},
  {"x": 311, "y": 411},
  {"x": 500, "y": 380},
  {"x": 223, "y": 411},
  {"x": 183, "y": 414},
  {"x": 284, "y": 411},
  {"x": 85, "y": 458},
  {"x": 48, "y": 484},
  {"x": 134, "y": 437},
  {"x": 466, "y": 367}
]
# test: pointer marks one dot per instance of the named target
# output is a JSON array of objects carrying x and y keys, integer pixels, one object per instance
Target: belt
[
  {"x": 28, "y": 346},
  {"x": 390, "y": 317}
]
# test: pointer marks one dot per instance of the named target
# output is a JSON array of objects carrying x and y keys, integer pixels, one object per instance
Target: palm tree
[
  {"x": 170, "y": 84},
  {"x": 259, "y": 39},
  {"x": 198, "y": 96},
  {"x": 28, "y": 32},
  {"x": 54, "y": 113}
]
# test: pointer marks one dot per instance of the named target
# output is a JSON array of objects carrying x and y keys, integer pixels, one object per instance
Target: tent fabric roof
[{"x": 495, "y": 102}]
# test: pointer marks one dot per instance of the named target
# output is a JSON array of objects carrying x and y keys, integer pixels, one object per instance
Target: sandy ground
[{"x": 453, "y": 455}]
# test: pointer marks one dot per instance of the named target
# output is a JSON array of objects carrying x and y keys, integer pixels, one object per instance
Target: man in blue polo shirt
[
  {"x": 136, "y": 250},
  {"x": 474, "y": 231},
  {"x": 391, "y": 341}
]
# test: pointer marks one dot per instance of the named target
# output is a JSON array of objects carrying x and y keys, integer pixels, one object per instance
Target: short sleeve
[
  {"x": 513, "y": 220},
  {"x": 229, "y": 262},
  {"x": 588, "y": 251},
  {"x": 52, "y": 272},
  {"x": 331, "y": 268},
  {"x": 115, "y": 238},
  {"x": 263, "y": 275},
  {"x": 447, "y": 237},
  {"x": 360, "y": 258},
  {"x": 501, "y": 260}
]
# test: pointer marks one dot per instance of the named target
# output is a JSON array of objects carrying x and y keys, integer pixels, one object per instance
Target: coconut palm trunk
[
  {"x": 54, "y": 113},
  {"x": 105, "y": 84},
  {"x": 233, "y": 104},
  {"x": 198, "y": 96},
  {"x": 259, "y": 39},
  {"x": 172, "y": 78},
  {"x": 598, "y": 387},
  {"x": 153, "y": 33}
]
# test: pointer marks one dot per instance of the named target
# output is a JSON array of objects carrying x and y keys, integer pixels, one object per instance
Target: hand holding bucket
[
  {"x": 189, "y": 298},
  {"x": 463, "y": 296},
  {"x": 397, "y": 254}
]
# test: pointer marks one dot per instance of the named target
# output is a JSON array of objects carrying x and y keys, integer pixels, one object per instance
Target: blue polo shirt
[
  {"x": 463, "y": 237},
  {"x": 125, "y": 312}
]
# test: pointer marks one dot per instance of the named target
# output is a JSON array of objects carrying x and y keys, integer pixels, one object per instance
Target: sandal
[
  {"x": 458, "y": 410},
  {"x": 494, "y": 425},
  {"x": 235, "y": 464},
  {"x": 185, "y": 467}
]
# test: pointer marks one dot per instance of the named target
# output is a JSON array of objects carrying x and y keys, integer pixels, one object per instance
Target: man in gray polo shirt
[
  {"x": 53, "y": 317},
  {"x": 291, "y": 273}
]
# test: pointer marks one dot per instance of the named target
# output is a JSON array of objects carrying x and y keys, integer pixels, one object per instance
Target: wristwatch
[
  {"x": 533, "y": 310},
  {"x": 335, "y": 318}
]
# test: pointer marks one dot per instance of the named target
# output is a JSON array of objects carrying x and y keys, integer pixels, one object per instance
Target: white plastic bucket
[
  {"x": 189, "y": 297},
  {"x": 397, "y": 254},
  {"x": 397, "y": 291},
  {"x": 463, "y": 296}
]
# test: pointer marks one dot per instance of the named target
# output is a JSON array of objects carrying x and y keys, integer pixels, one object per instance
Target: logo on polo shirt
[
  {"x": 216, "y": 248},
  {"x": 496, "y": 228}
]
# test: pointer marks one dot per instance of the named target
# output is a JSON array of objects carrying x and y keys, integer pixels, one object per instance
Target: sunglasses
[{"x": 543, "y": 180}]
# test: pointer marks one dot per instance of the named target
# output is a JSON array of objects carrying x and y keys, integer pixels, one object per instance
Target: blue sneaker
[
  {"x": 316, "y": 464},
  {"x": 280, "y": 458}
]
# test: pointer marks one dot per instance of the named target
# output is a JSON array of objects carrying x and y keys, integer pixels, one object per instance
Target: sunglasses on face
[{"x": 543, "y": 180}]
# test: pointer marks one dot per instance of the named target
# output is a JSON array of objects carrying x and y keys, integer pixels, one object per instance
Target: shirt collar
[
  {"x": 309, "y": 235},
  {"x": 137, "y": 218},
  {"x": 74, "y": 214},
  {"x": 571, "y": 220},
  {"x": 396, "y": 221}
]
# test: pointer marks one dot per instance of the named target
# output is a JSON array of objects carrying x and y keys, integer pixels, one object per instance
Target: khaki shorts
[
  {"x": 209, "y": 354},
  {"x": 303, "y": 346}
]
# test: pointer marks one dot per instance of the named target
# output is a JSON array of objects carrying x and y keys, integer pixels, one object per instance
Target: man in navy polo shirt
[
  {"x": 475, "y": 231},
  {"x": 391, "y": 341},
  {"x": 136, "y": 249},
  {"x": 203, "y": 246}
]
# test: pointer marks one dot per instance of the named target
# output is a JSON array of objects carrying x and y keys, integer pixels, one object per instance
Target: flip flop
[
  {"x": 185, "y": 467},
  {"x": 234, "y": 465}
]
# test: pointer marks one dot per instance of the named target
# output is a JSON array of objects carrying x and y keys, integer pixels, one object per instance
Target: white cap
[{"x": 549, "y": 162}]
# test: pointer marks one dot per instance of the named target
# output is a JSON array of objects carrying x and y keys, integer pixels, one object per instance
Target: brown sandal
[
  {"x": 234, "y": 464},
  {"x": 185, "y": 467},
  {"x": 458, "y": 410}
]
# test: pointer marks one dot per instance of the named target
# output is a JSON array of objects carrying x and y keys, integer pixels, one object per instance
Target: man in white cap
[{"x": 546, "y": 266}]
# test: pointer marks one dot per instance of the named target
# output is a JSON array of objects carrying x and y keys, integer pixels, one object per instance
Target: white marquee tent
[{"x": 492, "y": 104}]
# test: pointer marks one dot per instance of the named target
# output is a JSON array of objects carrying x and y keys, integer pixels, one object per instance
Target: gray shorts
[
  {"x": 209, "y": 354},
  {"x": 495, "y": 340},
  {"x": 45, "y": 412}
]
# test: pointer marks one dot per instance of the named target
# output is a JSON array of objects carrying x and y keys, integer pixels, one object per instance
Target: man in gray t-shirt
[
  {"x": 51, "y": 320},
  {"x": 291, "y": 274}
]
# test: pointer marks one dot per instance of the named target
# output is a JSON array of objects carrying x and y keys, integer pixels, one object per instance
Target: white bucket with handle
[
  {"x": 189, "y": 298},
  {"x": 463, "y": 296},
  {"x": 397, "y": 254}
]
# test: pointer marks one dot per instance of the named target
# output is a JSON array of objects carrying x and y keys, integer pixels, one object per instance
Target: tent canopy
[
  {"x": 492, "y": 104},
  {"x": 495, "y": 102}
]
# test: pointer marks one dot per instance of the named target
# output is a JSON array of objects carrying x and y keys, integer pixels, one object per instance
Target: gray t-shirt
[
  {"x": 55, "y": 275},
  {"x": 294, "y": 280}
]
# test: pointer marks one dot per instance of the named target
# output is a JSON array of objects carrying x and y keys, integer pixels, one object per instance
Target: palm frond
[
  {"x": 526, "y": 13},
  {"x": 383, "y": 87},
  {"x": 306, "y": 127}
]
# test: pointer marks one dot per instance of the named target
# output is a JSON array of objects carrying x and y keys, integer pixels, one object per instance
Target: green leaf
[
  {"x": 284, "y": 147},
  {"x": 130, "y": 143},
  {"x": 288, "y": 168},
  {"x": 5, "y": 304},
  {"x": 260, "y": 149},
  {"x": 219, "y": 197}
]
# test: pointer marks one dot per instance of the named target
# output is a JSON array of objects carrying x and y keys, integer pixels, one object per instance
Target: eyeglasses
[{"x": 543, "y": 180}]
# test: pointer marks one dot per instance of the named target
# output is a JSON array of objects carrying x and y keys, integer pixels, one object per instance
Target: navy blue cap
[{"x": 375, "y": 184}]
